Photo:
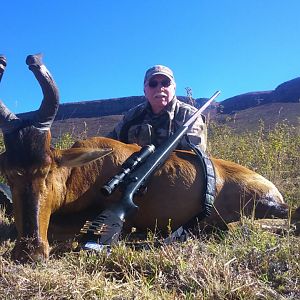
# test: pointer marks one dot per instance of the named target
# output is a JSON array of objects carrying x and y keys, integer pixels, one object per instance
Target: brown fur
[{"x": 72, "y": 194}]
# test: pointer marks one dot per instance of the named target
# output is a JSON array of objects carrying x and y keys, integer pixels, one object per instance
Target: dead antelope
[{"x": 56, "y": 191}]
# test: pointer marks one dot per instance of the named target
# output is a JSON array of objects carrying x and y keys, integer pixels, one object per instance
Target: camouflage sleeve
[
  {"x": 129, "y": 116},
  {"x": 197, "y": 134}
]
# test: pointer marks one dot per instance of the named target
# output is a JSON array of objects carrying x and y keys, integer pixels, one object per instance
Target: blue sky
[{"x": 100, "y": 49}]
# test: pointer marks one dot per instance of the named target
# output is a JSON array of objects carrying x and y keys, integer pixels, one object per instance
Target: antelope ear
[{"x": 76, "y": 157}]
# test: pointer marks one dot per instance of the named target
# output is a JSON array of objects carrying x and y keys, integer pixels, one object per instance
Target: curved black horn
[
  {"x": 2, "y": 65},
  {"x": 46, "y": 113},
  {"x": 8, "y": 120}
]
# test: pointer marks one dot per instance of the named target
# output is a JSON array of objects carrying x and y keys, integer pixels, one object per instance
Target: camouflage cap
[{"x": 159, "y": 69}]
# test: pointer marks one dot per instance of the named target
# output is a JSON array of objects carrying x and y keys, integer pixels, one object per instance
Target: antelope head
[{"x": 29, "y": 162}]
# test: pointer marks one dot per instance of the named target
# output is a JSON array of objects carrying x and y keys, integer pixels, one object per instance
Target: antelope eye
[{"x": 20, "y": 172}]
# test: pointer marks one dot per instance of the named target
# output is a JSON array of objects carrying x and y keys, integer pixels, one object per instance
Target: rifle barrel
[{"x": 199, "y": 111}]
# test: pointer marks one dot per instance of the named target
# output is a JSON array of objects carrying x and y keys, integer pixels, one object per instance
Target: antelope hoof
[{"x": 24, "y": 252}]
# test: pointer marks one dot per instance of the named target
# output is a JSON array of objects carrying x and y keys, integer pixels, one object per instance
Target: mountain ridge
[
  {"x": 288, "y": 91},
  {"x": 98, "y": 117}
]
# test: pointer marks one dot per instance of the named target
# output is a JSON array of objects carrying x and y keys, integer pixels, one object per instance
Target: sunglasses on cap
[{"x": 155, "y": 83}]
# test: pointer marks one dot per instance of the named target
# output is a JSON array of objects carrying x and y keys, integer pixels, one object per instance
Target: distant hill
[
  {"x": 285, "y": 93},
  {"x": 98, "y": 117}
]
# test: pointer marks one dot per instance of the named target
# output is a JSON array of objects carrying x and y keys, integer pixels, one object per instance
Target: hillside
[
  {"x": 241, "y": 121},
  {"x": 84, "y": 127},
  {"x": 270, "y": 114}
]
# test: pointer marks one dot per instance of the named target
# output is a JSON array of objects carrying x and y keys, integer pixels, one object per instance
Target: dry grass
[{"x": 245, "y": 263}]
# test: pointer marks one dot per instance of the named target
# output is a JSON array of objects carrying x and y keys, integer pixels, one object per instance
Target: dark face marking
[
  {"x": 27, "y": 163},
  {"x": 27, "y": 148}
]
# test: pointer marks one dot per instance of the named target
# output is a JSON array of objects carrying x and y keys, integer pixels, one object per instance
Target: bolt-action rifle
[{"x": 136, "y": 170}]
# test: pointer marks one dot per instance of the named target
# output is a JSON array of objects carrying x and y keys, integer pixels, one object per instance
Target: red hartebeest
[{"x": 60, "y": 189}]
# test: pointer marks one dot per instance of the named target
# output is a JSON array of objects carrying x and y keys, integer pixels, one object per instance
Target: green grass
[
  {"x": 245, "y": 263},
  {"x": 272, "y": 153}
]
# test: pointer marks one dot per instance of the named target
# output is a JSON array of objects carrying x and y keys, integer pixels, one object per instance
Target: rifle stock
[{"x": 139, "y": 176}]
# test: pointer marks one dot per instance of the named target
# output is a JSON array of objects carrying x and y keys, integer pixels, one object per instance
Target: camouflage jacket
[{"x": 141, "y": 126}]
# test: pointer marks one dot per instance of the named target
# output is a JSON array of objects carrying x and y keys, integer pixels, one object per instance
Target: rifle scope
[{"x": 131, "y": 163}]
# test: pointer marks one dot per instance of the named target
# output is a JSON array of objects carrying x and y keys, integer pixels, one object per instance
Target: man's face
[{"x": 159, "y": 91}]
